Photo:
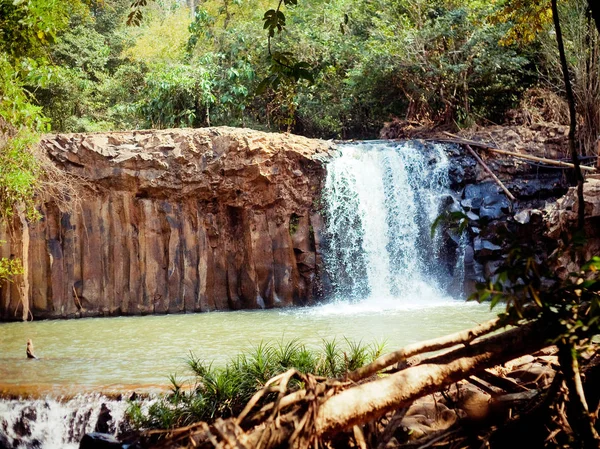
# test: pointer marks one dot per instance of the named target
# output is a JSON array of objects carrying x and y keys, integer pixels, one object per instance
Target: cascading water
[
  {"x": 381, "y": 200},
  {"x": 52, "y": 424}
]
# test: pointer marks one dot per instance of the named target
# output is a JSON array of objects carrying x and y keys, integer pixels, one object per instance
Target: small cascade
[
  {"x": 52, "y": 424},
  {"x": 381, "y": 199}
]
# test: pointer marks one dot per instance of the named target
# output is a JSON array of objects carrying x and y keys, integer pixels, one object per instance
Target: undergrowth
[{"x": 220, "y": 392}]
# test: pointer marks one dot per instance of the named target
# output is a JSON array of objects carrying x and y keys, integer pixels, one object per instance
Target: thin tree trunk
[
  {"x": 595, "y": 10},
  {"x": 572, "y": 116},
  {"x": 580, "y": 419},
  {"x": 436, "y": 344}
]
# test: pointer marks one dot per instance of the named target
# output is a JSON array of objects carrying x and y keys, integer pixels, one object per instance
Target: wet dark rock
[
  {"x": 104, "y": 418},
  {"x": 22, "y": 426},
  {"x": 96, "y": 440},
  {"x": 543, "y": 185},
  {"x": 454, "y": 207},
  {"x": 446, "y": 201},
  {"x": 485, "y": 248},
  {"x": 472, "y": 203},
  {"x": 463, "y": 169},
  {"x": 469, "y": 255},
  {"x": 472, "y": 216},
  {"x": 494, "y": 207},
  {"x": 4, "y": 443},
  {"x": 481, "y": 190}
]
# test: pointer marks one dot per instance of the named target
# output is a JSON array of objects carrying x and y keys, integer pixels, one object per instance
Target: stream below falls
[{"x": 139, "y": 353}]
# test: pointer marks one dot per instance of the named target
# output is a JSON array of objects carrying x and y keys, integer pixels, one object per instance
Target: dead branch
[
  {"x": 391, "y": 427},
  {"x": 501, "y": 382},
  {"x": 436, "y": 344},
  {"x": 459, "y": 140},
  {"x": 490, "y": 172}
]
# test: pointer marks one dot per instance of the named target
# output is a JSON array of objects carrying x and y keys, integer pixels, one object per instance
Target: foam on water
[{"x": 53, "y": 423}]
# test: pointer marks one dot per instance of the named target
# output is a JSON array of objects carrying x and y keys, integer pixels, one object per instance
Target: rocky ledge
[{"x": 186, "y": 220}]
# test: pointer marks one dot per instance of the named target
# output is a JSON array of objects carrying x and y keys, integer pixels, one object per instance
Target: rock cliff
[
  {"x": 561, "y": 224},
  {"x": 186, "y": 220}
]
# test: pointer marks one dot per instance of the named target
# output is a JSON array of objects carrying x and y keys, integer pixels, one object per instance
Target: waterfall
[
  {"x": 381, "y": 199},
  {"x": 51, "y": 423}
]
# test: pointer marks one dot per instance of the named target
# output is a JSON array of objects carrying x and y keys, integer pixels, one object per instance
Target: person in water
[{"x": 30, "y": 354}]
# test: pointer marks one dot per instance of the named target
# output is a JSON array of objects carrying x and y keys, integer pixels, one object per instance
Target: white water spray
[
  {"x": 55, "y": 424},
  {"x": 381, "y": 200}
]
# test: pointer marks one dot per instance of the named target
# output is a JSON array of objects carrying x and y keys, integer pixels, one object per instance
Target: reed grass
[{"x": 220, "y": 392}]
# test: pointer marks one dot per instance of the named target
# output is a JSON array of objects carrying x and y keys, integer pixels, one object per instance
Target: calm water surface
[{"x": 115, "y": 354}]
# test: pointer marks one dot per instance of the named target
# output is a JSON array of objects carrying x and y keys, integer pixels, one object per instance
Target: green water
[{"x": 116, "y": 354}]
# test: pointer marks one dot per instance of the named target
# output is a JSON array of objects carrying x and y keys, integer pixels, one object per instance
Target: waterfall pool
[
  {"x": 139, "y": 353},
  {"x": 84, "y": 363}
]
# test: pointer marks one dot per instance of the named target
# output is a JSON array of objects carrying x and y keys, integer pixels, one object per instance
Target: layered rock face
[
  {"x": 173, "y": 221},
  {"x": 561, "y": 223}
]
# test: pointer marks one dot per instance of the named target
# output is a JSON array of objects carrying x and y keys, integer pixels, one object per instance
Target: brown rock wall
[{"x": 172, "y": 221}]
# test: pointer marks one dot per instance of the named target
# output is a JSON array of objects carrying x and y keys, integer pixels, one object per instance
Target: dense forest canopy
[{"x": 444, "y": 61}]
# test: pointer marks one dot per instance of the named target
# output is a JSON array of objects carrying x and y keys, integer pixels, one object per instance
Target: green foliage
[
  {"x": 177, "y": 95},
  {"x": 20, "y": 123},
  {"x": 222, "y": 392},
  {"x": 10, "y": 268},
  {"x": 527, "y": 18},
  {"x": 529, "y": 287},
  {"x": 335, "y": 70},
  {"x": 27, "y": 27},
  {"x": 456, "y": 222},
  {"x": 342, "y": 69}
]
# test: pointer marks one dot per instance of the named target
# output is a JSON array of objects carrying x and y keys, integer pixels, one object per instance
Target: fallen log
[
  {"x": 436, "y": 344},
  {"x": 372, "y": 400},
  {"x": 326, "y": 408},
  {"x": 461, "y": 141}
]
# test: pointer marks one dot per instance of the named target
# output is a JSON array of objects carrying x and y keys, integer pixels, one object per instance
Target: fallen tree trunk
[
  {"x": 372, "y": 400},
  {"x": 436, "y": 344}
]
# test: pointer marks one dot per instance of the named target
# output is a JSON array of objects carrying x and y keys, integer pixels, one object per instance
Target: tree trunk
[
  {"x": 372, "y": 400},
  {"x": 572, "y": 116},
  {"x": 580, "y": 419},
  {"x": 595, "y": 10}
]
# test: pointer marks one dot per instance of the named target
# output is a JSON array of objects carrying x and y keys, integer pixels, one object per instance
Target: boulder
[
  {"x": 4, "y": 442},
  {"x": 533, "y": 375},
  {"x": 426, "y": 416},
  {"x": 97, "y": 440},
  {"x": 484, "y": 248}
]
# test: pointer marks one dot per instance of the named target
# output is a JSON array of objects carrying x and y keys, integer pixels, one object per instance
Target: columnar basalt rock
[{"x": 186, "y": 220}]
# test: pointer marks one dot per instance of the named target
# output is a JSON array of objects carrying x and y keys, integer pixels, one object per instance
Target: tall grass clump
[{"x": 220, "y": 392}]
